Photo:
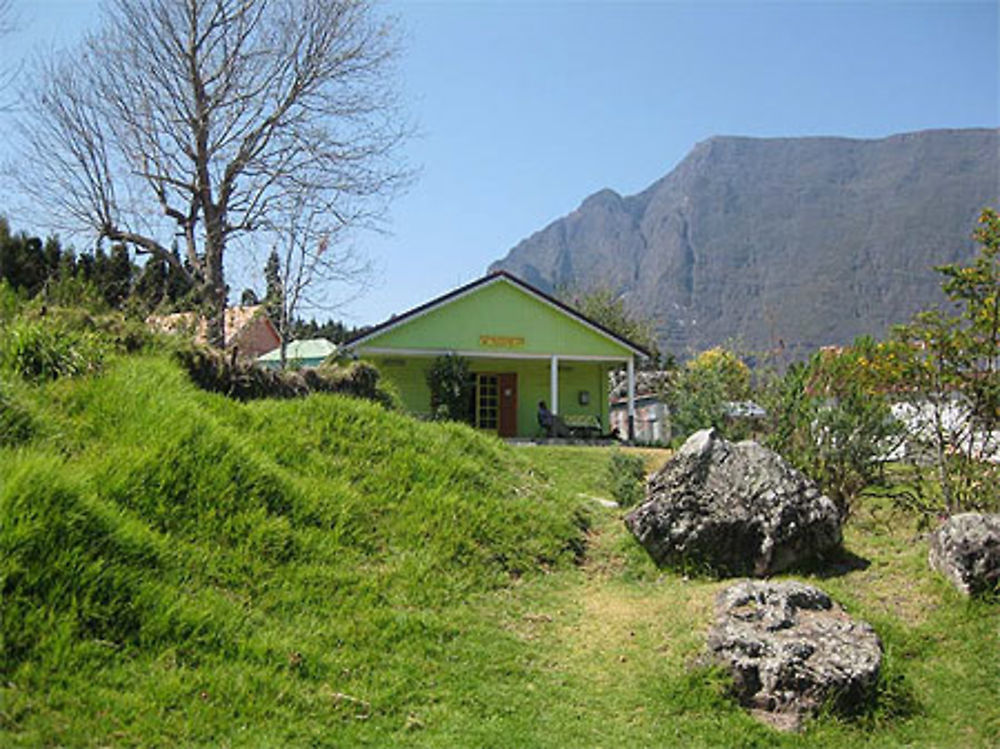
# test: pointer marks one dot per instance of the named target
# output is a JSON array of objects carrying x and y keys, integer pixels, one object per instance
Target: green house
[{"x": 522, "y": 345}]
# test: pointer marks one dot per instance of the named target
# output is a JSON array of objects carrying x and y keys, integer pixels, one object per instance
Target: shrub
[
  {"x": 698, "y": 394},
  {"x": 627, "y": 476},
  {"x": 216, "y": 372},
  {"x": 37, "y": 350},
  {"x": 451, "y": 385},
  {"x": 832, "y": 420},
  {"x": 74, "y": 292},
  {"x": 10, "y": 303}
]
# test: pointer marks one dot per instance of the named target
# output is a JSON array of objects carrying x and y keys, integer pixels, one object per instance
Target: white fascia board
[{"x": 427, "y": 353}]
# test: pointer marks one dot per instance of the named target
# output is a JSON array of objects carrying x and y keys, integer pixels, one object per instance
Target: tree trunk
[{"x": 215, "y": 285}]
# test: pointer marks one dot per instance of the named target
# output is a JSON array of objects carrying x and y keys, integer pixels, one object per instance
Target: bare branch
[
  {"x": 312, "y": 255},
  {"x": 212, "y": 119},
  {"x": 8, "y": 25}
]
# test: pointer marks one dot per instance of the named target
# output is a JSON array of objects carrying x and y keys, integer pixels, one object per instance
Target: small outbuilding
[
  {"x": 651, "y": 422},
  {"x": 308, "y": 352},
  {"x": 523, "y": 346}
]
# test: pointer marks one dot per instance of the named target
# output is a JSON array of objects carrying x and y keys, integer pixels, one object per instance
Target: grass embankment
[{"x": 179, "y": 569}]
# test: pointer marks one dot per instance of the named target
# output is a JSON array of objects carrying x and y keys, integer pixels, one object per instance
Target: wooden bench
[{"x": 583, "y": 426}]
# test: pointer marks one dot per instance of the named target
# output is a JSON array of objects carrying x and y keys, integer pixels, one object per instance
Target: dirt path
[{"x": 619, "y": 633}]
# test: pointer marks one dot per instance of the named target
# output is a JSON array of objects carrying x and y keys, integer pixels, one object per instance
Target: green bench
[{"x": 583, "y": 426}]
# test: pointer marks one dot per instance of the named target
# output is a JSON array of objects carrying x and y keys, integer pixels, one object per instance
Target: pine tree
[
  {"x": 85, "y": 267},
  {"x": 52, "y": 254},
  {"x": 67, "y": 266},
  {"x": 117, "y": 282},
  {"x": 151, "y": 287},
  {"x": 274, "y": 297},
  {"x": 179, "y": 289},
  {"x": 31, "y": 270}
]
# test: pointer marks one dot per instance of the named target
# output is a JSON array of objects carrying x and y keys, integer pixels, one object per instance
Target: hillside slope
[
  {"x": 175, "y": 566},
  {"x": 793, "y": 242}
]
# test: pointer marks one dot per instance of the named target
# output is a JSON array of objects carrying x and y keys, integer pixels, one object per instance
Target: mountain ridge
[{"x": 771, "y": 243}]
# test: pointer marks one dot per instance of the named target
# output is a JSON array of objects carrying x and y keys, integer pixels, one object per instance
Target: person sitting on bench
[{"x": 550, "y": 422}]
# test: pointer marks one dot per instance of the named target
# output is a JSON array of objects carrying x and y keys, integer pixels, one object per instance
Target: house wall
[
  {"x": 409, "y": 376},
  {"x": 297, "y": 363}
]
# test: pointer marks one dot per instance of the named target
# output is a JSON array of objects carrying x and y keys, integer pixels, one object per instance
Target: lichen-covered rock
[
  {"x": 737, "y": 509},
  {"x": 792, "y": 650},
  {"x": 966, "y": 550}
]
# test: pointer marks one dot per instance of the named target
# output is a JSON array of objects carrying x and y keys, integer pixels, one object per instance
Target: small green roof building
[
  {"x": 307, "y": 352},
  {"x": 523, "y": 346}
]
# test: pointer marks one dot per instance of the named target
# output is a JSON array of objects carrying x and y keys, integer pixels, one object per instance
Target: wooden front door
[{"x": 508, "y": 404}]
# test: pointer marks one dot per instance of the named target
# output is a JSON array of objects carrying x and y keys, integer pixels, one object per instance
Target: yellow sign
[{"x": 501, "y": 341}]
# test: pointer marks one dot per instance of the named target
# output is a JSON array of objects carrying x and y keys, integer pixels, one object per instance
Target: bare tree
[
  {"x": 8, "y": 24},
  {"x": 7, "y": 21},
  {"x": 310, "y": 257},
  {"x": 210, "y": 120}
]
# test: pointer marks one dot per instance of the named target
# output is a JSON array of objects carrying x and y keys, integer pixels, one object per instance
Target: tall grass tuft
[
  {"x": 71, "y": 572},
  {"x": 38, "y": 350},
  {"x": 16, "y": 423},
  {"x": 627, "y": 478}
]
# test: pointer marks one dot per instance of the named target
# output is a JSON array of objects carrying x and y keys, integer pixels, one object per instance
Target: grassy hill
[{"x": 177, "y": 568}]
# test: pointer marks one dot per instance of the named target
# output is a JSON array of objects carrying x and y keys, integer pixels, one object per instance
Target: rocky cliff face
[{"x": 792, "y": 242}]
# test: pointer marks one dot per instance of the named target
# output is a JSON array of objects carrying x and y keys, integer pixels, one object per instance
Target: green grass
[{"x": 180, "y": 569}]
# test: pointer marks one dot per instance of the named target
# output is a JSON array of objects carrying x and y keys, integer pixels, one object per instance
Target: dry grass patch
[
  {"x": 620, "y": 627},
  {"x": 889, "y": 587},
  {"x": 655, "y": 457},
  {"x": 629, "y": 623}
]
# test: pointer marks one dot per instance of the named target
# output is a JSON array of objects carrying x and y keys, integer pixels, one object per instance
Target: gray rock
[
  {"x": 966, "y": 550},
  {"x": 737, "y": 509},
  {"x": 792, "y": 650}
]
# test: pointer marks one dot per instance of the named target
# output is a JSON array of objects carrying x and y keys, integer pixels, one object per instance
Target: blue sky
[{"x": 524, "y": 108}]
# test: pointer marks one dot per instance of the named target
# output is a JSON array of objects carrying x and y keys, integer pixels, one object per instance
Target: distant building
[
  {"x": 652, "y": 419},
  {"x": 652, "y": 415},
  {"x": 949, "y": 420},
  {"x": 309, "y": 352},
  {"x": 248, "y": 329},
  {"x": 744, "y": 410}
]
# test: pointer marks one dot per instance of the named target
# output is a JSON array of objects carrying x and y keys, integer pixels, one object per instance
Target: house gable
[{"x": 497, "y": 316}]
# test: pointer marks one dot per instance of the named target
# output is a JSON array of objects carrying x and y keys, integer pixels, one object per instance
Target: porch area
[{"x": 506, "y": 393}]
